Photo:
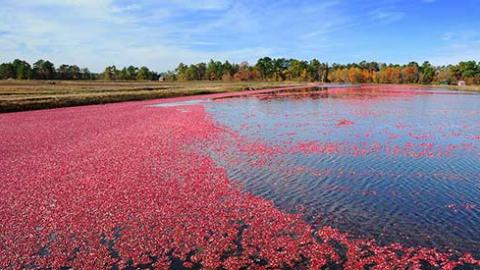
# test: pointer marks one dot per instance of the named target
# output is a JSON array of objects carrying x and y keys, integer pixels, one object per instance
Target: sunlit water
[{"x": 392, "y": 164}]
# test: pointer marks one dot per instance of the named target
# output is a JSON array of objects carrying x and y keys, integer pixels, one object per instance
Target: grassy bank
[
  {"x": 33, "y": 95},
  {"x": 472, "y": 88}
]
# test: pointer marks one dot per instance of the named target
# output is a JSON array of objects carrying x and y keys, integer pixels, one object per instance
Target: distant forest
[{"x": 265, "y": 69}]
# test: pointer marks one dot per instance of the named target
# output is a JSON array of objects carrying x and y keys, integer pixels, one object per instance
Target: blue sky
[{"x": 162, "y": 33}]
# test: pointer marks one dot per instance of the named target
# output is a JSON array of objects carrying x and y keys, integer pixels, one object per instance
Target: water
[{"x": 395, "y": 164}]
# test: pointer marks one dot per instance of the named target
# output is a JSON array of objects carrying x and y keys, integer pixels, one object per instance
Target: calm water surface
[{"x": 395, "y": 164}]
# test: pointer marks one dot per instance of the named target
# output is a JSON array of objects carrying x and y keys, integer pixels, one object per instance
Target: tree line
[
  {"x": 279, "y": 69},
  {"x": 265, "y": 69},
  {"x": 45, "y": 70}
]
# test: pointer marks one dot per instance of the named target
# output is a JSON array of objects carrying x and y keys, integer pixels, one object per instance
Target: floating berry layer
[{"x": 119, "y": 186}]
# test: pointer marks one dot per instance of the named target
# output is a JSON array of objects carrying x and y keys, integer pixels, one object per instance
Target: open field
[{"x": 32, "y": 95}]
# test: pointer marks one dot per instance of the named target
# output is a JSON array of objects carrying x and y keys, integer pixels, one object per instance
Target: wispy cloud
[{"x": 387, "y": 15}]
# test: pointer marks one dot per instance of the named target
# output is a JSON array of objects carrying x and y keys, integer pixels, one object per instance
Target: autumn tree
[
  {"x": 246, "y": 73},
  {"x": 446, "y": 75},
  {"x": 298, "y": 70},
  {"x": 410, "y": 73},
  {"x": 338, "y": 75},
  {"x": 391, "y": 74},
  {"x": 356, "y": 75}
]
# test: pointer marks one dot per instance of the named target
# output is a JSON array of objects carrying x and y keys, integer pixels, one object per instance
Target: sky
[{"x": 160, "y": 34}]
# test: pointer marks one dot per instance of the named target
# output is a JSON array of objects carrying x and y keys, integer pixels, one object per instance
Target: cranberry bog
[{"x": 365, "y": 177}]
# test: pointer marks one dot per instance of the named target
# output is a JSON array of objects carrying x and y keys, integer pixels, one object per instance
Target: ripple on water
[{"x": 405, "y": 168}]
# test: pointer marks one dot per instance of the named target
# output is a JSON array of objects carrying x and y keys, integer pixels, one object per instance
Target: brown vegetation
[{"x": 31, "y": 94}]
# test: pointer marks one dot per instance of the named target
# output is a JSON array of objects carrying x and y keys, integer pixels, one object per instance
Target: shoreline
[{"x": 41, "y": 95}]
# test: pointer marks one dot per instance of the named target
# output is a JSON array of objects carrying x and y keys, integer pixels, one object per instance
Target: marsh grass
[
  {"x": 34, "y": 95},
  {"x": 471, "y": 88}
]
